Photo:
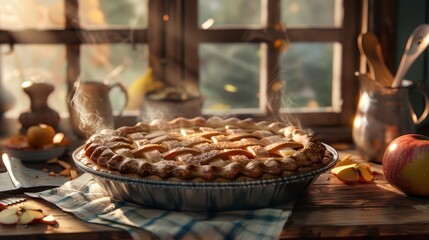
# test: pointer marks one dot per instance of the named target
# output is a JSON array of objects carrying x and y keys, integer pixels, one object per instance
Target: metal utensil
[
  {"x": 25, "y": 177},
  {"x": 8, "y": 165},
  {"x": 416, "y": 44},
  {"x": 370, "y": 47}
]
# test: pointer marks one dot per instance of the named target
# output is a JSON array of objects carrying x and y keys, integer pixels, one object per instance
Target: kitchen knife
[
  {"x": 8, "y": 165},
  {"x": 23, "y": 177}
]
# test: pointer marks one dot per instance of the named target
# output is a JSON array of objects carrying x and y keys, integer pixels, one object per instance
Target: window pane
[
  {"x": 38, "y": 63},
  {"x": 122, "y": 63},
  {"x": 227, "y": 13},
  {"x": 229, "y": 76},
  {"x": 107, "y": 13},
  {"x": 39, "y": 14},
  {"x": 306, "y": 71},
  {"x": 312, "y": 13}
]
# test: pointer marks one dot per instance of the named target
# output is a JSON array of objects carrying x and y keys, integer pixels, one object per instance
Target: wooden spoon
[
  {"x": 416, "y": 44},
  {"x": 370, "y": 47}
]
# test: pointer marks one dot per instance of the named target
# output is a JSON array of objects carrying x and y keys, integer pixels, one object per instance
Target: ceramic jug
[
  {"x": 384, "y": 113},
  {"x": 90, "y": 107}
]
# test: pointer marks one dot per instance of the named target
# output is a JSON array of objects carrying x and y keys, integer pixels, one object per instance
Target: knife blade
[
  {"x": 24, "y": 177},
  {"x": 8, "y": 165},
  {"x": 6, "y": 183}
]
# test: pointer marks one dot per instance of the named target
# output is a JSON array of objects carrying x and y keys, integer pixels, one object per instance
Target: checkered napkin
[{"x": 86, "y": 199}]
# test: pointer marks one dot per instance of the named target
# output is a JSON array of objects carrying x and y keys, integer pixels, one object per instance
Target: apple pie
[{"x": 203, "y": 150}]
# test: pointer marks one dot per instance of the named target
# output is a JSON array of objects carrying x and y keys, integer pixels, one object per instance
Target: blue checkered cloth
[{"x": 85, "y": 198}]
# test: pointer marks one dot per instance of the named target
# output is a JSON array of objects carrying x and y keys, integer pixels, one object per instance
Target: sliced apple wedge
[
  {"x": 73, "y": 174},
  {"x": 31, "y": 206},
  {"x": 348, "y": 175},
  {"x": 338, "y": 169},
  {"x": 9, "y": 216},
  {"x": 345, "y": 161},
  {"x": 50, "y": 219},
  {"x": 365, "y": 173},
  {"x": 30, "y": 216},
  {"x": 350, "y": 171},
  {"x": 65, "y": 172}
]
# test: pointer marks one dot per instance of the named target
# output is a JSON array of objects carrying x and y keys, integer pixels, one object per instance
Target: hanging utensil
[
  {"x": 370, "y": 47},
  {"x": 416, "y": 44}
]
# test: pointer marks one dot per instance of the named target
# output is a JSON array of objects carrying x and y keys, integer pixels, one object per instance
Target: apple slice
[
  {"x": 345, "y": 161},
  {"x": 363, "y": 169},
  {"x": 30, "y": 216},
  {"x": 349, "y": 175},
  {"x": 65, "y": 172},
  {"x": 365, "y": 173},
  {"x": 338, "y": 169},
  {"x": 73, "y": 174},
  {"x": 50, "y": 219},
  {"x": 368, "y": 167},
  {"x": 9, "y": 216},
  {"x": 31, "y": 206}
]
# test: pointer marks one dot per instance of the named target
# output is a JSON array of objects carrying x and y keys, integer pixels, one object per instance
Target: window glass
[
  {"x": 232, "y": 71},
  {"x": 37, "y": 63},
  {"x": 227, "y": 13},
  {"x": 111, "y": 14},
  {"x": 306, "y": 72},
  {"x": 38, "y": 14},
  {"x": 115, "y": 63},
  {"x": 230, "y": 76},
  {"x": 311, "y": 13}
]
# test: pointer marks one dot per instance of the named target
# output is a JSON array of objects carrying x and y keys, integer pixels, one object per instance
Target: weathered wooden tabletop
[{"x": 330, "y": 209}]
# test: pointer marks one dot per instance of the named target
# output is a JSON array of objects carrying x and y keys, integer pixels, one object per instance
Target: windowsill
[{"x": 331, "y": 134}]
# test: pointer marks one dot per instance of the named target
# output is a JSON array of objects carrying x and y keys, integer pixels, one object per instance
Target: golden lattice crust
[{"x": 197, "y": 149}]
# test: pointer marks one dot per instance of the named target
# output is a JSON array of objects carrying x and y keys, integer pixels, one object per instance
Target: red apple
[{"x": 405, "y": 164}]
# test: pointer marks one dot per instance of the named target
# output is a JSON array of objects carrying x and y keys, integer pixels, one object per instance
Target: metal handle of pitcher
[
  {"x": 425, "y": 110},
  {"x": 124, "y": 91}
]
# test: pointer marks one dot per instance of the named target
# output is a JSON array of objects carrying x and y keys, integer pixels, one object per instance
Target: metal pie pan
[{"x": 206, "y": 196}]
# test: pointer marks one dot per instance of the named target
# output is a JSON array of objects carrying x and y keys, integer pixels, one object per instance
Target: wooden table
[{"x": 330, "y": 209}]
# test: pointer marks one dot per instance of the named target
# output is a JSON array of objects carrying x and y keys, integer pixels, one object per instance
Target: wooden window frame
[
  {"x": 350, "y": 30},
  {"x": 174, "y": 56},
  {"x": 70, "y": 36}
]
